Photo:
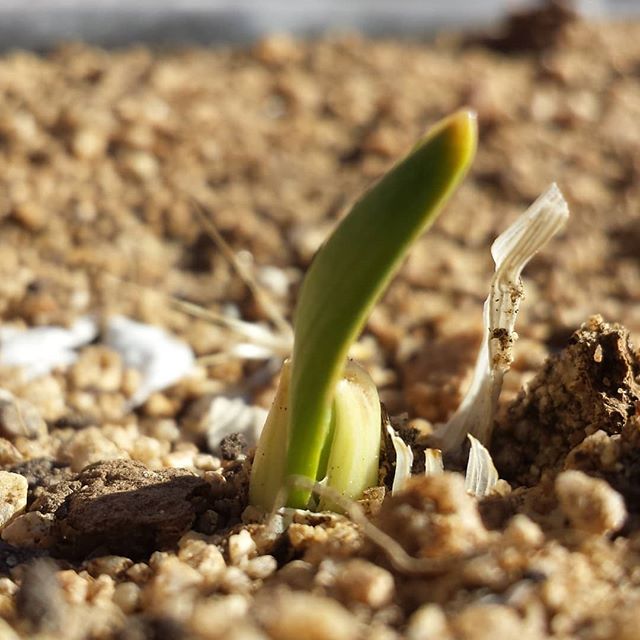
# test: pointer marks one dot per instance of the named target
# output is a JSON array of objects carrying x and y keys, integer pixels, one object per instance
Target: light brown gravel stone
[
  {"x": 491, "y": 621},
  {"x": 20, "y": 418},
  {"x": 13, "y": 496},
  {"x": 127, "y": 596},
  {"x": 362, "y": 581},
  {"x": 428, "y": 621},
  {"x": 590, "y": 503},
  {"x": 302, "y": 615},
  {"x": 31, "y": 530}
]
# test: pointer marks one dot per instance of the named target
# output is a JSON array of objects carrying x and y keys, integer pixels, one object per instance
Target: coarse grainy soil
[{"x": 130, "y": 524}]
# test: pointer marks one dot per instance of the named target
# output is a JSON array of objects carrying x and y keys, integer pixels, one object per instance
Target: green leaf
[{"x": 351, "y": 271}]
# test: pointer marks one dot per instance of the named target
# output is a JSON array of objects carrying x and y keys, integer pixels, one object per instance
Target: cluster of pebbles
[{"x": 121, "y": 522}]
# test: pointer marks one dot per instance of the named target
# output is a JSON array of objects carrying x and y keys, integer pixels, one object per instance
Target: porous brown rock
[
  {"x": 434, "y": 517},
  {"x": 124, "y": 508},
  {"x": 592, "y": 385}
]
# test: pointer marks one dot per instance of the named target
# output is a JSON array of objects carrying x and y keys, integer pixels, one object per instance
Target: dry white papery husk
[
  {"x": 481, "y": 475},
  {"x": 511, "y": 251},
  {"x": 404, "y": 460},
  {"x": 433, "y": 464}
]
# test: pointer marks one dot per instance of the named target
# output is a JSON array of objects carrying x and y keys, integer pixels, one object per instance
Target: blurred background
[{"x": 42, "y": 23}]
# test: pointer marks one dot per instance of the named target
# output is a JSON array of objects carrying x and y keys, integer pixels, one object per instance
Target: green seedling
[{"x": 325, "y": 421}]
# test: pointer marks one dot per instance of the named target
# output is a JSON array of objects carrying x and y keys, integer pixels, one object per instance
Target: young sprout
[{"x": 325, "y": 421}]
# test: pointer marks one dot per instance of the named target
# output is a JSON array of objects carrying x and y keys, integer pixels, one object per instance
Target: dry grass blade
[{"x": 260, "y": 296}]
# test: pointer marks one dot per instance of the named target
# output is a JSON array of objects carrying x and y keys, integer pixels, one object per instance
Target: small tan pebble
[
  {"x": 101, "y": 590},
  {"x": 278, "y": 49},
  {"x": 382, "y": 632},
  {"x": 261, "y": 567},
  {"x": 113, "y": 566},
  {"x": 428, "y": 621},
  {"x": 88, "y": 446},
  {"x": 172, "y": 588},
  {"x": 7, "y": 587},
  {"x": 30, "y": 215},
  {"x": 297, "y": 615},
  {"x": 9, "y": 455},
  {"x": 521, "y": 531},
  {"x": 361, "y": 581},
  {"x": 297, "y": 574},
  {"x": 167, "y": 429},
  {"x": 490, "y": 621},
  {"x": 20, "y": 418},
  {"x": 159, "y": 406},
  {"x": 140, "y": 164},
  {"x": 590, "y": 503},
  {"x": 47, "y": 395},
  {"x": 149, "y": 451},
  {"x": 206, "y": 558},
  {"x": 89, "y": 143},
  {"x": 597, "y": 451},
  {"x": 178, "y": 460},
  {"x": 13, "y": 495},
  {"x": 75, "y": 587},
  {"x": 303, "y": 535},
  {"x": 226, "y": 612},
  {"x": 6, "y": 632},
  {"x": 97, "y": 367},
  {"x": 130, "y": 382},
  {"x": 235, "y": 580},
  {"x": 140, "y": 573},
  {"x": 33, "y": 530},
  {"x": 127, "y": 596},
  {"x": 206, "y": 462},
  {"x": 241, "y": 547}
]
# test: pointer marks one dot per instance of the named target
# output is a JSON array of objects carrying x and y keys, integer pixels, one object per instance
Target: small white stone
[
  {"x": 241, "y": 546},
  {"x": 13, "y": 495}
]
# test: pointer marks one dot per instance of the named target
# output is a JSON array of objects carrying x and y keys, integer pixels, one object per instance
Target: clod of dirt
[
  {"x": 124, "y": 508},
  {"x": 535, "y": 29},
  {"x": 593, "y": 384},
  {"x": 433, "y": 517}
]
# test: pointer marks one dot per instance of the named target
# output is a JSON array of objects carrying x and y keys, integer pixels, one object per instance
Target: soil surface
[{"x": 128, "y": 524}]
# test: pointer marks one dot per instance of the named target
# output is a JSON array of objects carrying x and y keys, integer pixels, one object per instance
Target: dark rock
[{"x": 121, "y": 507}]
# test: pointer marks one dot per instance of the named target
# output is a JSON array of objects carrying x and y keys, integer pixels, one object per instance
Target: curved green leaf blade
[{"x": 351, "y": 271}]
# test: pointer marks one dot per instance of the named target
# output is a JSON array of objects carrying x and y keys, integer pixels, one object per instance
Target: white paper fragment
[
  {"x": 161, "y": 358},
  {"x": 481, "y": 475},
  {"x": 433, "y": 464},
  {"x": 228, "y": 415},
  {"x": 404, "y": 460},
  {"x": 511, "y": 251},
  {"x": 39, "y": 350}
]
